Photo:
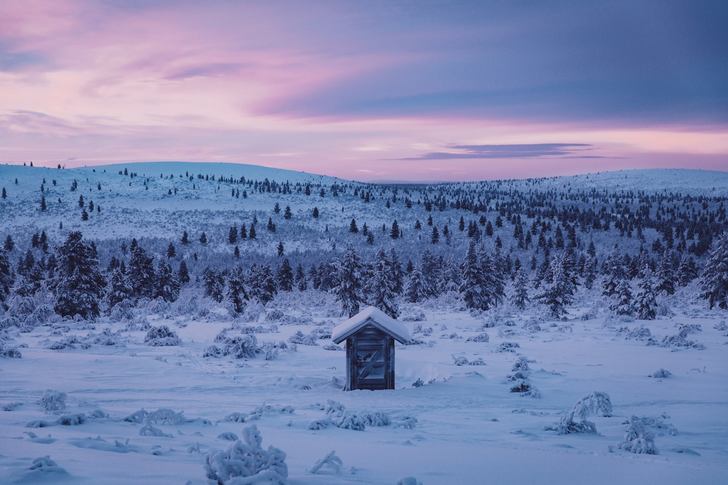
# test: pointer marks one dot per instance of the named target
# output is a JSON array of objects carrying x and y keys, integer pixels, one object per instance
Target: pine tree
[
  {"x": 395, "y": 271},
  {"x": 167, "y": 283},
  {"x": 435, "y": 235},
  {"x": 141, "y": 272},
  {"x": 171, "y": 251},
  {"x": 43, "y": 205},
  {"x": 120, "y": 290},
  {"x": 315, "y": 213},
  {"x": 381, "y": 288},
  {"x": 714, "y": 280},
  {"x": 493, "y": 288},
  {"x": 349, "y": 285},
  {"x": 287, "y": 214},
  {"x": 280, "y": 249},
  {"x": 431, "y": 274},
  {"x": 615, "y": 273},
  {"x": 262, "y": 283},
  {"x": 243, "y": 232},
  {"x": 285, "y": 276},
  {"x": 270, "y": 226},
  {"x": 203, "y": 238},
  {"x": 80, "y": 284},
  {"x": 185, "y": 238},
  {"x": 237, "y": 293},
  {"x": 353, "y": 227},
  {"x": 183, "y": 274},
  {"x": 251, "y": 233},
  {"x": 590, "y": 272},
  {"x": 520, "y": 290},
  {"x": 646, "y": 300},
  {"x": 560, "y": 292},
  {"x": 233, "y": 235}
]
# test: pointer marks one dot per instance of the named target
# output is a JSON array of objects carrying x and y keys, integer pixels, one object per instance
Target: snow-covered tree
[
  {"x": 80, "y": 284},
  {"x": 236, "y": 289},
  {"x": 183, "y": 274},
  {"x": 645, "y": 304},
  {"x": 167, "y": 283},
  {"x": 6, "y": 276},
  {"x": 687, "y": 271},
  {"x": 471, "y": 287},
  {"x": 493, "y": 288},
  {"x": 381, "y": 287},
  {"x": 120, "y": 290},
  {"x": 714, "y": 280},
  {"x": 560, "y": 292},
  {"x": 520, "y": 290},
  {"x": 415, "y": 290},
  {"x": 262, "y": 283},
  {"x": 141, "y": 272},
  {"x": 214, "y": 284},
  {"x": 665, "y": 275},
  {"x": 349, "y": 282},
  {"x": 285, "y": 276},
  {"x": 623, "y": 304}
]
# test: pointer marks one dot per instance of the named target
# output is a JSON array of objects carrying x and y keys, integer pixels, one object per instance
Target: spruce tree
[
  {"x": 120, "y": 290},
  {"x": 79, "y": 285},
  {"x": 623, "y": 304},
  {"x": 167, "y": 283},
  {"x": 285, "y": 276},
  {"x": 493, "y": 288},
  {"x": 237, "y": 293},
  {"x": 560, "y": 292},
  {"x": 300, "y": 278},
  {"x": 687, "y": 271},
  {"x": 233, "y": 235},
  {"x": 714, "y": 280},
  {"x": 645, "y": 305},
  {"x": 381, "y": 287},
  {"x": 414, "y": 290},
  {"x": 141, "y": 272},
  {"x": 214, "y": 284},
  {"x": 471, "y": 287},
  {"x": 665, "y": 275},
  {"x": 183, "y": 274},
  {"x": 171, "y": 251},
  {"x": 394, "y": 232},
  {"x": 348, "y": 288},
  {"x": 185, "y": 238},
  {"x": 520, "y": 290},
  {"x": 9, "y": 244},
  {"x": 6, "y": 277}
]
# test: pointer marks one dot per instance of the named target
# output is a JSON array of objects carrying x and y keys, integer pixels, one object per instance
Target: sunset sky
[{"x": 372, "y": 90}]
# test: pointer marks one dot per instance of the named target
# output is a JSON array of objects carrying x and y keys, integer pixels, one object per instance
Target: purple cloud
[{"x": 521, "y": 150}]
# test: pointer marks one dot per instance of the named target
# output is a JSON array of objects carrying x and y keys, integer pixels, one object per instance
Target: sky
[{"x": 374, "y": 90}]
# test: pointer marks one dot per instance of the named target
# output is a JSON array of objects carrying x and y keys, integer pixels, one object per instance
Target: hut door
[{"x": 371, "y": 357}]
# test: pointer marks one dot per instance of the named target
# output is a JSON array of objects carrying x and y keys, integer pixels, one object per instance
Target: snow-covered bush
[
  {"x": 481, "y": 337},
  {"x": 302, "y": 339},
  {"x": 163, "y": 416},
  {"x": 71, "y": 419},
  {"x": 242, "y": 346},
  {"x": 575, "y": 421},
  {"x": 246, "y": 462},
  {"x": 9, "y": 351},
  {"x": 161, "y": 336},
  {"x": 638, "y": 438},
  {"x": 53, "y": 401},
  {"x": 44, "y": 470},
  {"x": 330, "y": 464},
  {"x": 661, "y": 374},
  {"x": 228, "y": 436},
  {"x": 259, "y": 412},
  {"x": 680, "y": 341},
  {"x": 149, "y": 430},
  {"x": 69, "y": 342},
  {"x": 413, "y": 315},
  {"x": 508, "y": 347}
]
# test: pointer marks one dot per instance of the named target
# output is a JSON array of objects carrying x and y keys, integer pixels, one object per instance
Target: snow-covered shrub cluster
[
  {"x": 575, "y": 421},
  {"x": 481, "y": 337},
  {"x": 246, "y": 462},
  {"x": 44, "y": 470},
  {"x": 161, "y": 336},
  {"x": 460, "y": 360},
  {"x": 53, "y": 401},
  {"x": 259, "y": 412},
  {"x": 329, "y": 464},
  {"x": 521, "y": 379},
  {"x": 162, "y": 416},
  {"x": 8, "y": 350},
  {"x": 638, "y": 437},
  {"x": 661, "y": 374},
  {"x": 641, "y": 333},
  {"x": 681, "y": 340},
  {"x": 413, "y": 315},
  {"x": 304, "y": 339},
  {"x": 242, "y": 345},
  {"x": 507, "y": 347},
  {"x": 68, "y": 342},
  {"x": 337, "y": 415}
]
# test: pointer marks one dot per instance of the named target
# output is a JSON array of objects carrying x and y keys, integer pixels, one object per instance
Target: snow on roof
[{"x": 376, "y": 317}]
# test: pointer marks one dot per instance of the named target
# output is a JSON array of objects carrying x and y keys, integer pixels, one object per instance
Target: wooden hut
[{"x": 370, "y": 336}]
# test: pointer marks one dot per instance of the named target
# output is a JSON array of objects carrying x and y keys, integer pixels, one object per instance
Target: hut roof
[{"x": 374, "y": 316}]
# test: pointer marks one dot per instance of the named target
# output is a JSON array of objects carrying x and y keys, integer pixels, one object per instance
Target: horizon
[
  {"x": 385, "y": 92},
  {"x": 54, "y": 165}
]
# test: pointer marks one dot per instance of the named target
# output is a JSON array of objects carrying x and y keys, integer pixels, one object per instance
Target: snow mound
[
  {"x": 661, "y": 374},
  {"x": 329, "y": 464},
  {"x": 246, "y": 462},
  {"x": 44, "y": 469}
]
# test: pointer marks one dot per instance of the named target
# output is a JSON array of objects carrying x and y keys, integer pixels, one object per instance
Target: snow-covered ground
[{"x": 448, "y": 423}]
